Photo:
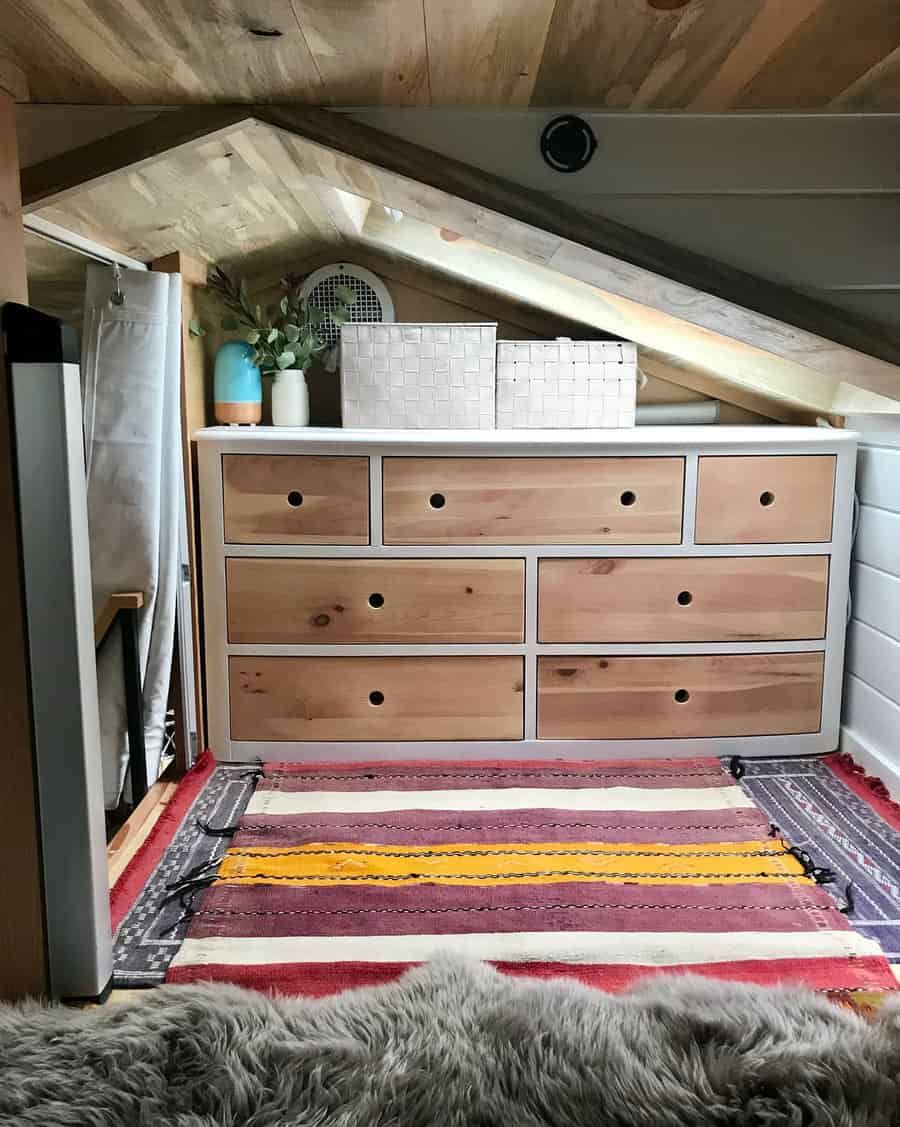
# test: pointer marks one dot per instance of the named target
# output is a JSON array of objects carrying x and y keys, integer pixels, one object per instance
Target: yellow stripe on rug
[{"x": 539, "y": 863}]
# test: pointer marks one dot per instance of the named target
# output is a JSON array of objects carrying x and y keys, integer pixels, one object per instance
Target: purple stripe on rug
[
  {"x": 425, "y": 827},
  {"x": 438, "y": 777},
  {"x": 267, "y": 911}
]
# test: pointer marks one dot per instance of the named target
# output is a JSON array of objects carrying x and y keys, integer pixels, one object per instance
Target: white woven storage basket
[
  {"x": 566, "y": 383},
  {"x": 428, "y": 375}
]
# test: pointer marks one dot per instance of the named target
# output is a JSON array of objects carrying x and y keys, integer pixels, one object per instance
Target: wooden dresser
[{"x": 653, "y": 592}]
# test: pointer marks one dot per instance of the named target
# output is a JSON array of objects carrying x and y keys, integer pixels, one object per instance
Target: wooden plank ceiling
[
  {"x": 710, "y": 55},
  {"x": 262, "y": 193}
]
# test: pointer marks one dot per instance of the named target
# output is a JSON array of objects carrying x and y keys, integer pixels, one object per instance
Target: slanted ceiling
[
  {"x": 644, "y": 54},
  {"x": 256, "y": 191}
]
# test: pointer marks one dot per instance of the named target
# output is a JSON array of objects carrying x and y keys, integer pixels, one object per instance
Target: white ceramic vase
[{"x": 290, "y": 399}]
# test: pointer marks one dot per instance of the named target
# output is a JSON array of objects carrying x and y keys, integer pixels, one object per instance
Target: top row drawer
[{"x": 310, "y": 499}]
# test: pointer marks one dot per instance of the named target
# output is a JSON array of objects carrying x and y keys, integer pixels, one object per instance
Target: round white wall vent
[{"x": 373, "y": 302}]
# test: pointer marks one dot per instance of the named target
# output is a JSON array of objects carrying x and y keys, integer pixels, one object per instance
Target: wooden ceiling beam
[
  {"x": 54, "y": 179},
  {"x": 647, "y": 254},
  {"x": 724, "y": 311}
]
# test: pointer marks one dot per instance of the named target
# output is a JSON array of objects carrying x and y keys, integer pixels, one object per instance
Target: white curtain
[{"x": 130, "y": 365}]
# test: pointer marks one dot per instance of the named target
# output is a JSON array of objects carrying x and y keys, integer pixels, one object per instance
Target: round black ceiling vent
[{"x": 568, "y": 143}]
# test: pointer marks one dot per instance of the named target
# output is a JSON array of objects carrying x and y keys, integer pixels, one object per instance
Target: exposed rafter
[{"x": 758, "y": 333}]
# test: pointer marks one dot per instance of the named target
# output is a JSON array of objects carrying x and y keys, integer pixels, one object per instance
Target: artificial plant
[{"x": 285, "y": 335}]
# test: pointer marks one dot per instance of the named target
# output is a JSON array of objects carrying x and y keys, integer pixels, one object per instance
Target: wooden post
[
  {"x": 194, "y": 415},
  {"x": 23, "y": 956}
]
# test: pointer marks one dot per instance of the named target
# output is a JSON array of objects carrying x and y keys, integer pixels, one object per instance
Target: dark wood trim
[
  {"x": 131, "y": 148},
  {"x": 340, "y": 132},
  {"x": 51, "y": 180},
  {"x": 23, "y": 943}
]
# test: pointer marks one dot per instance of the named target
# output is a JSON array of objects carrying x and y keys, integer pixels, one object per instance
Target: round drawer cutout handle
[
  {"x": 684, "y": 598},
  {"x": 376, "y": 698},
  {"x": 682, "y": 695},
  {"x": 437, "y": 500},
  {"x": 766, "y": 498},
  {"x": 376, "y": 599},
  {"x": 295, "y": 498},
  {"x": 628, "y": 497}
]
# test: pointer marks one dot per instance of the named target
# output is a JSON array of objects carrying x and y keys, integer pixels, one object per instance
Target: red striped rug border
[
  {"x": 869, "y": 788},
  {"x": 139, "y": 869},
  {"x": 507, "y": 764},
  {"x": 320, "y": 979}
]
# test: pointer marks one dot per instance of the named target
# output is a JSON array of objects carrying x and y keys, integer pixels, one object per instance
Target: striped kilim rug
[
  {"x": 346, "y": 875},
  {"x": 845, "y": 822}
]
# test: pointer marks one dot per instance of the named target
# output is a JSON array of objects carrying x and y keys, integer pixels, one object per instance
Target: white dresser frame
[{"x": 688, "y": 442}]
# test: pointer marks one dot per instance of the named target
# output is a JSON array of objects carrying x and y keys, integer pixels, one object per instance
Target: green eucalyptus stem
[{"x": 286, "y": 335}]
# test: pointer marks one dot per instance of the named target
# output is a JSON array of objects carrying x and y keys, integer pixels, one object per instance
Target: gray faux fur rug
[{"x": 455, "y": 1045}]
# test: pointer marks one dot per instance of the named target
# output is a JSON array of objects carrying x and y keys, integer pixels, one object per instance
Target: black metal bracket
[{"x": 127, "y": 617}]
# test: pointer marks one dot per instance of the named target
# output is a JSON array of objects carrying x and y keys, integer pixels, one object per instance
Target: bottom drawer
[
  {"x": 376, "y": 698},
  {"x": 596, "y": 698}
]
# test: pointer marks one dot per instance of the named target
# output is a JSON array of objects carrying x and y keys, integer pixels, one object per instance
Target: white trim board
[{"x": 53, "y": 233}]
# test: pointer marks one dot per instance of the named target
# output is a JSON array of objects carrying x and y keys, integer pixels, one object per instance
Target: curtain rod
[{"x": 63, "y": 237}]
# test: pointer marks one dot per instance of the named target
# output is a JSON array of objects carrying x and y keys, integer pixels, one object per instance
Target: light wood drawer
[
  {"x": 426, "y": 601},
  {"x": 721, "y": 599},
  {"x": 295, "y": 499},
  {"x": 376, "y": 698},
  {"x": 581, "y": 698},
  {"x": 533, "y": 500},
  {"x": 766, "y": 499}
]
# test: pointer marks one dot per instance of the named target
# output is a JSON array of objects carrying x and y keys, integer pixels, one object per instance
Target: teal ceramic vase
[{"x": 237, "y": 385}]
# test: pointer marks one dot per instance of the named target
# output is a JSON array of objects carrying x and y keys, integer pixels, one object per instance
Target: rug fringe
[
  {"x": 133, "y": 877},
  {"x": 869, "y": 787}
]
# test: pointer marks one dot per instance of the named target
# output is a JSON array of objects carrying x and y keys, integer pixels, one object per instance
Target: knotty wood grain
[
  {"x": 771, "y": 499},
  {"x": 722, "y": 599},
  {"x": 334, "y": 499},
  {"x": 23, "y": 966},
  {"x": 424, "y": 698},
  {"x": 533, "y": 500},
  {"x": 760, "y": 54},
  {"x": 634, "y": 697},
  {"x": 292, "y": 601}
]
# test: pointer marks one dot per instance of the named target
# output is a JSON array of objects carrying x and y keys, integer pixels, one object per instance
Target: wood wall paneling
[
  {"x": 741, "y": 54},
  {"x": 743, "y": 189},
  {"x": 494, "y": 214},
  {"x": 368, "y": 53},
  {"x": 195, "y": 413},
  {"x": 23, "y": 959},
  {"x": 485, "y": 51}
]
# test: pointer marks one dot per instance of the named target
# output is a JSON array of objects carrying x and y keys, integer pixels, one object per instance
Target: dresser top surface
[{"x": 727, "y": 439}]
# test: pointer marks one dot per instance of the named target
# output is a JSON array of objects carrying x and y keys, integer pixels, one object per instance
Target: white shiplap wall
[
  {"x": 810, "y": 200},
  {"x": 871, "y": 728}
]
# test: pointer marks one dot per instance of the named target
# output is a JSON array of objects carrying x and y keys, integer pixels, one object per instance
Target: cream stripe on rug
[
  {"x": 513, "y": 798},
  {"x": 650, "y": 948}
]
